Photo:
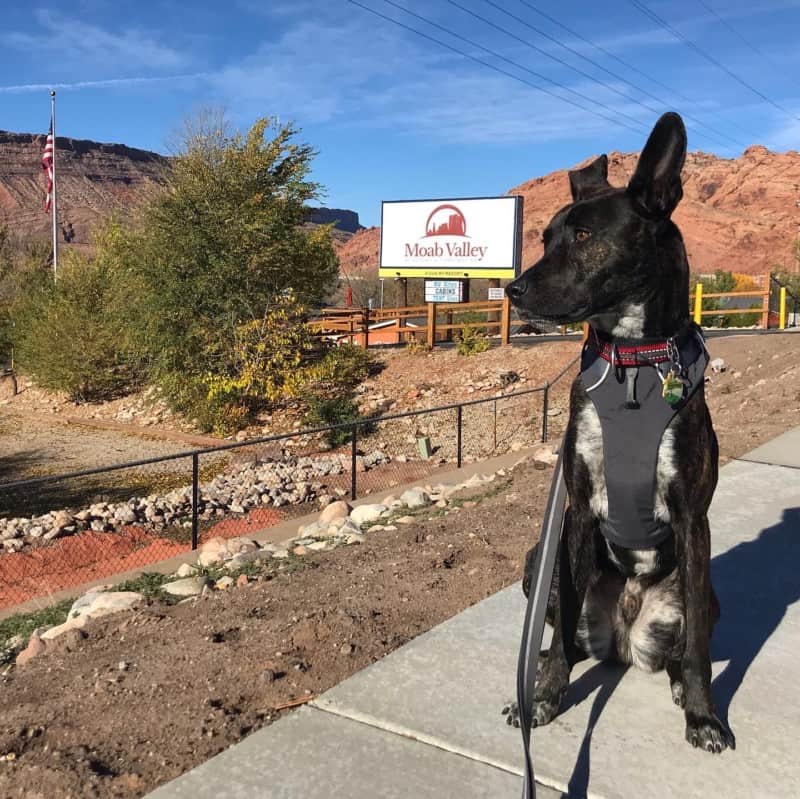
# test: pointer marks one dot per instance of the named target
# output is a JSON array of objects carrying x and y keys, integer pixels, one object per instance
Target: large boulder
[{"x": 363, "y": 514}]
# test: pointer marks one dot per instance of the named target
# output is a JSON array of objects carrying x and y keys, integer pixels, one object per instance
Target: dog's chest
[{"x": 589, "y": 449}]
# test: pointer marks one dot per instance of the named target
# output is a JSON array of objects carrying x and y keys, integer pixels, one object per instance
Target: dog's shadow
[{"x": 756, "y": 582}]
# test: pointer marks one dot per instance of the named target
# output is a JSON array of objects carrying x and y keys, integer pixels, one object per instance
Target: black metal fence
[{"x": 61, "y": 531}]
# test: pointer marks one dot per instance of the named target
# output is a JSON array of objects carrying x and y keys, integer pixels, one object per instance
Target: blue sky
[{"x": 394, "y": 115}]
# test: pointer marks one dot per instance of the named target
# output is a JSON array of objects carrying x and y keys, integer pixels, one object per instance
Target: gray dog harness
[{"x": 637, "y": 387}]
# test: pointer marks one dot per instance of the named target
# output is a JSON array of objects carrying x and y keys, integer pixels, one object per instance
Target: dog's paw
[
  {"x": 511, "y": 712},
  {"x": 709, "y": 733},
  {"x": 678, "y": 696},
  {"x": 544, "y": 711}
]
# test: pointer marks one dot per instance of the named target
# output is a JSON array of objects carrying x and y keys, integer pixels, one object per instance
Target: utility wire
[
  {"x": 697, "y": 123},
  {"x": 695, "y": 48},
  {"x": 491, "y": 66},
  {"x": 736, "y": 33},
  {"x": 514, "y": 63}
]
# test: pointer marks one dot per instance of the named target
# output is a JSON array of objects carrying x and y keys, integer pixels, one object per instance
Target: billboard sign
[
  {"x": 473, "y": 237},
  {"x": 444, "y": 291}
]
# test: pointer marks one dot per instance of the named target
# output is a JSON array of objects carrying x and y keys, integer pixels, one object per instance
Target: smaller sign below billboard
[
  {"x": 496, "y": 294},
  {"x": 454, "y": 238},
  {"x": 444, "y": 291}
]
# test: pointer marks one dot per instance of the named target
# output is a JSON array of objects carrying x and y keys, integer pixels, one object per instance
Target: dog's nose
[{"x": 516, "y": 290}]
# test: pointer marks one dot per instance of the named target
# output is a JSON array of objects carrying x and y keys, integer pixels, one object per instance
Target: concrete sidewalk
[{"x": 425, "y": 721}]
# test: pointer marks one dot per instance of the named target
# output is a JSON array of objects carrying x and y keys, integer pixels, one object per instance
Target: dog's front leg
[
  {"x": 703, "y": 727},
  {"x": 575, "y": 564}
]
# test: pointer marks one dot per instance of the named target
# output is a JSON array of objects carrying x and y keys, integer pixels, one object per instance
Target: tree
[{"x": 219, "y": 244}]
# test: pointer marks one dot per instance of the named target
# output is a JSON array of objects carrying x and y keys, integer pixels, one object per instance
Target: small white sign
[
  {"x": 496, "y": 294},
  {"x": 444, "y": 291},
  {"x": 473, "y": 237}
]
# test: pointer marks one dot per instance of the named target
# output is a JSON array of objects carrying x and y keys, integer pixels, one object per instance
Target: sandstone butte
[
  {"x": 737, "y": 214},
  {"x": 94, "y": 181}
]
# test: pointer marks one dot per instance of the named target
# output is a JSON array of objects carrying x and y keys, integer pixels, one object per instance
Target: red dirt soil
[{"x": 92, "y": 556}]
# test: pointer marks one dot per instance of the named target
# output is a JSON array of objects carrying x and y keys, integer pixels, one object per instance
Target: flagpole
[{"x": 53, "y": 206}]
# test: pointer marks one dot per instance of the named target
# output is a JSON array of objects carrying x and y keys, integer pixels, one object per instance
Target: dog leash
[{"x": 533, "y": 628}]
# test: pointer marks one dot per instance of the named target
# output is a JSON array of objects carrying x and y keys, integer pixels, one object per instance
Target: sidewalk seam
[{"x": 429, "y": 740}]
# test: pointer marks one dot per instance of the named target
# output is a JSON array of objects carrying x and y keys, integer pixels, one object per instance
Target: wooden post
[
  {"x": 782, "y": 311},
  {"x": 765, "y": 304},
  {"x": 492, "y": 316},
  {"x": 366, "y": 328},
  {"x": 448, "y": 336},
  {"x": 505, "y": 322},
  {"x": 698, "y": 303},
  {"x": 431, "y": 324}
]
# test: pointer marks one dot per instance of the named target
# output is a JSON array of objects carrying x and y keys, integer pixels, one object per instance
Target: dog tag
[{"x": 672, "y": 388}]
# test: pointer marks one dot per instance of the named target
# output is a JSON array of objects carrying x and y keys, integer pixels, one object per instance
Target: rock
[
  {"x": 545, "y": 453},
  {"x": 414, "y": 498},
  {"x": 224, "y": 583},
  {"x": 280, "y": 554},
  {"x": 336, "y": 510},
  {"x": 313, "y": 529},
  {"x": 405, "y": 520},
  {"x": 97, "y": 604},
  {"x": 355, "y": 538},
  {"x": 241, "y": 560},
  {"x": 362, "y": 514},
  {"x": 347, "y": 649},
  {"x": 318, "y": 546},
  {"x": 300, "y": 550},
  {"x": 718, "y": 365},
  {"x": 34, "y": 648},
  {"x": 189, "y": 586},
  {"x": 242, "y": 580},
  {"x": 185, "y": 570}
]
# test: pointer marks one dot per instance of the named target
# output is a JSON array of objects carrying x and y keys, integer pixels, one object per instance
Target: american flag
[{"x": 47, "y": 166}]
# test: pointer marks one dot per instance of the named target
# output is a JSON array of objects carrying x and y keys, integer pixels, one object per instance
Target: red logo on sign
[{"x": 446, "y": 220}]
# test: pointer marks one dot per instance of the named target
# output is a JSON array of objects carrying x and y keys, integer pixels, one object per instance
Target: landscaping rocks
[
  {"x": 268, "y": 483},
  {"x": 362, "y": 514},
  {"x": 414, "y": 498},
  {"x": 188, "y": 586}
]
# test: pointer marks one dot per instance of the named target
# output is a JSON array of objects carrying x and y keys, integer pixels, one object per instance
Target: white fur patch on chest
[
  {"x": 589, "y": 448},
  {"x": 631, "y": 323}
]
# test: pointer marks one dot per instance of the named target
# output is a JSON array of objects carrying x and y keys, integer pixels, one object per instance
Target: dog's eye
[{"x": 582, "y": 235}]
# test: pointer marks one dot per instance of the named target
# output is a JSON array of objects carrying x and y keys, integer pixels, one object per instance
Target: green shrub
[
  {"x": 74, "y": 335},
  {"x": 470, "y": 341},
  {"x": 324, "y": 411}
]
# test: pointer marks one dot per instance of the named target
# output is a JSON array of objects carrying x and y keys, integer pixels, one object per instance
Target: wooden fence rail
[{"x": 436, "y": 322}]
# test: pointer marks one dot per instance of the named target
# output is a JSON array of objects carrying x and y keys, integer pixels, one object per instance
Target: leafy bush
[
  {"x": 470, "y": 341},
  {"x": 74, "y": 335},
  {"x": 324, "y": 411}
]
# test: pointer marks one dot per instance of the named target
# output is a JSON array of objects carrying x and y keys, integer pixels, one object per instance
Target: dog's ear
[
  {"x": 656, "y": 184},
  {"x": 590, "y": 180}
]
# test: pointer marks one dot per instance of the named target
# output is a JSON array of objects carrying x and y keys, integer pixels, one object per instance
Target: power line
[
  {"x": 477, "y": 60},
  {"x": 692, "y": 46},
  {"x": 736, "y": 33},
  {"x": 630, "y": 67},
  {"x": 543, "y": 52}
]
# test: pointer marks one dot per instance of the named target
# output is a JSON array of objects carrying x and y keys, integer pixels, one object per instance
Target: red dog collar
[{"x": 625, "y": 355}]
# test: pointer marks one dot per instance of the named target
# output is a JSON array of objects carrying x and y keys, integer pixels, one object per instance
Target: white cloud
[
  {"x": 79, "y": 44},
  {"x": 358, "y": 71}
]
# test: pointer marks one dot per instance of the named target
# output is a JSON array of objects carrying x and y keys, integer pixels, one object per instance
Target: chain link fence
[{"x": 63, "y": 531}]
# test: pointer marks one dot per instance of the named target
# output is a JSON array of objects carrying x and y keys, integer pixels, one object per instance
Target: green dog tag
[{"x": 672, "y": 388}]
